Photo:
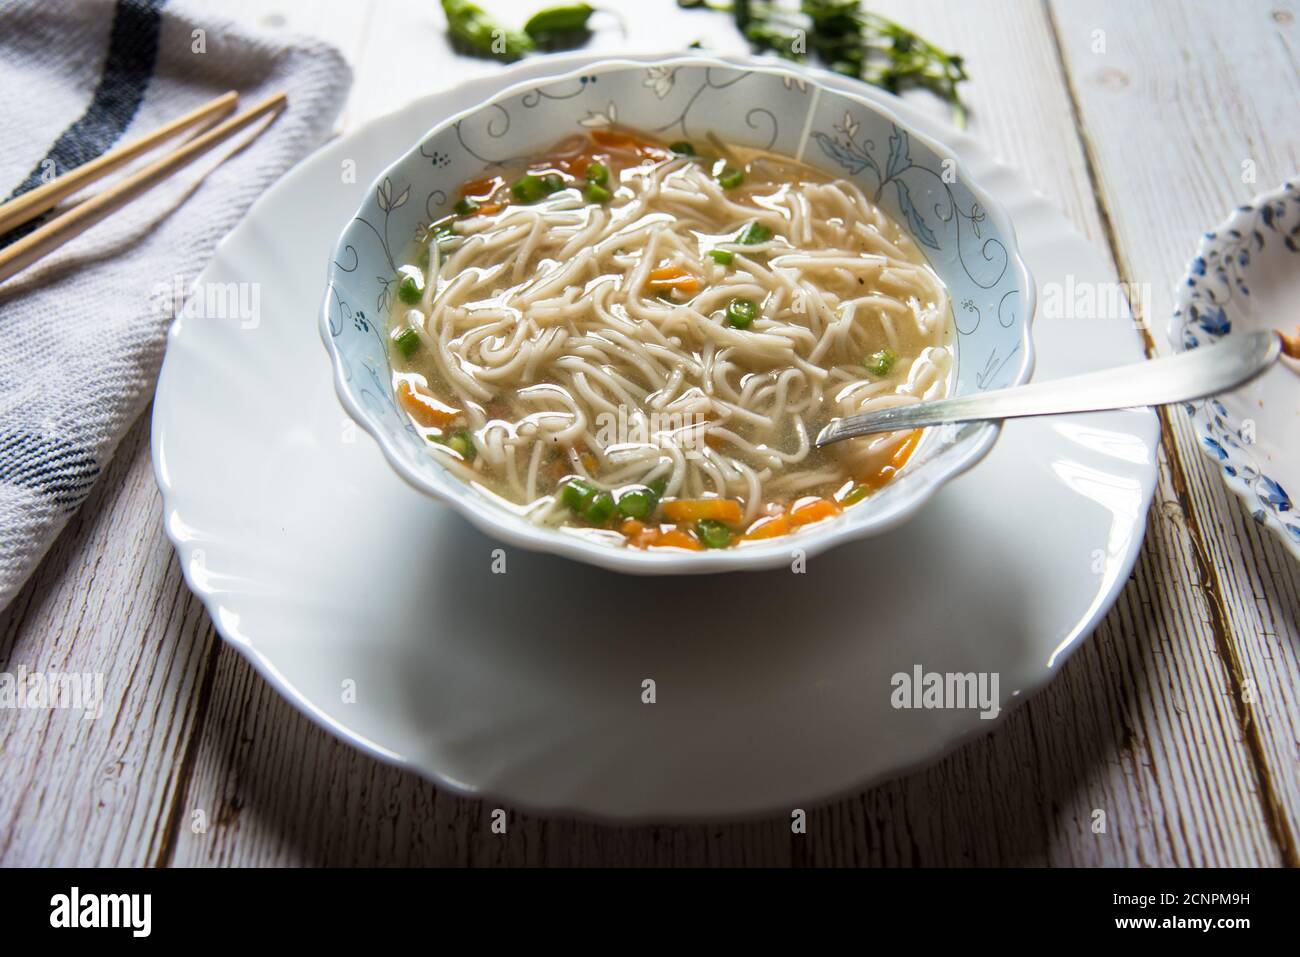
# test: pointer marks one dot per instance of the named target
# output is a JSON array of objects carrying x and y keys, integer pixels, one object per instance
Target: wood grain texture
[
  {"x": 1180, "y": 131},
  {"x": 1144, "y": 722}
]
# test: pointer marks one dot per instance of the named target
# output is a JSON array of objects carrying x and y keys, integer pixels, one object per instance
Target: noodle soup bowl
[{"x": 966, "y": 238}]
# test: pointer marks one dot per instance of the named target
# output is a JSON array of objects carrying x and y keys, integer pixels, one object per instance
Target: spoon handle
[{"x": 1207, "y": 370}]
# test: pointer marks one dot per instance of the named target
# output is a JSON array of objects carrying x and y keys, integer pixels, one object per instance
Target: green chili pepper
[
  {"x": 477, "y": 32},
  {"x": 559, "y": 21}
]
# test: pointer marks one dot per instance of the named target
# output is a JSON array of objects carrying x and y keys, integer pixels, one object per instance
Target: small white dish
[
  {"x": 382, "y": 619},
  {"x": 1246, "y": 277},
  {"x": 964, "y": 234}
]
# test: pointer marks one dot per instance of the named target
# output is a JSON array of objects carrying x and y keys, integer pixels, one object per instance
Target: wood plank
[
  {"x": 1140, "y": 723},
  {"x": 1170, "y": 126},
  {"x": 108, "y": 599}
]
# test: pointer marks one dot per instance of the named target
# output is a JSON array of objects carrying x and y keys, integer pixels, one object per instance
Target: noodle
[{"x": 596, "y": 336}]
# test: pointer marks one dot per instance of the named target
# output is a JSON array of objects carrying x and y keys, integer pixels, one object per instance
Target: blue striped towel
[{"x": 81, "y": 332}]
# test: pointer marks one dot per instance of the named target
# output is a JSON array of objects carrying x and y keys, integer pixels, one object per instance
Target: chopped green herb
[
  {"x": 722, "y": 257},
  {"x": 407, "y": 342},
  {"x": 712, "y": 533},
  {"x": 741, "y": 313},
  {"x": 879, "y": 363}
]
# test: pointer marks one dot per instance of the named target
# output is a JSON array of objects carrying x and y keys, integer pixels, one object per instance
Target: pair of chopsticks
[{"x": 40, "y": 242}]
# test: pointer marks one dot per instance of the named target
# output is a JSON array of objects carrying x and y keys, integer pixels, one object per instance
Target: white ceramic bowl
[{"x": 967, "y": 238}]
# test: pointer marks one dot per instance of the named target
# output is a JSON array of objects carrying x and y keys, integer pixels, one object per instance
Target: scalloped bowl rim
[
  {"x": 922, "y": 484},
  {"x": 1177, "y": 322}
]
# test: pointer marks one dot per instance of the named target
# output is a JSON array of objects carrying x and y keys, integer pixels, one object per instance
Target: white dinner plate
[{"x": 384, "y": 616}]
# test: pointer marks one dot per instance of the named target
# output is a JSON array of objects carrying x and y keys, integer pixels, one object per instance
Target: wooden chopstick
[
  {"x": 29, "y": 205},
  {"x": 56, "y": 232}
]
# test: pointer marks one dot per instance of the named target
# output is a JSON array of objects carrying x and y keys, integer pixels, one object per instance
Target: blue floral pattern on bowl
[
  {"x": 919, "y": 183},
  {"x": 1252, "y": 248}
]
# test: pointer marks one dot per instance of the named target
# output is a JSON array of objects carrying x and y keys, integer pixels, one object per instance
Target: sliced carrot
[
  {"x": 807, "y": 511},
  {"x": 425, "y": 409},
  {"x": 676, "y": 538},
  {"x": 693, "y": 510},
  {"x": 489, "y": 209},
  {"x": 638, "y": 534},
  {"x": 668, "y": 278},
  {"x": 481, "y": 188},
  {"x": 769, "y": 526},
  {"x": 616, "y": 139},
  {"x": 714, "y": 441},
  {"x": 896, "y": 461}
]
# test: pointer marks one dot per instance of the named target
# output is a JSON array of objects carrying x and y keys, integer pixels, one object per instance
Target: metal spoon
[{"x": 1207, "y": 370}]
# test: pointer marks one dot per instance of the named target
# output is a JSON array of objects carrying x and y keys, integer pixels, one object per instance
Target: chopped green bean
[
  {"x": 722, "y": 257},
  {"x": 753, "y": 234},
  {"x": 600, "y": 509},
  {"x": 576, "y": 493},
  {"x": 682, "y": 148},
  {"x": 410, "y": 289},
  {"x": 598, "y": 173},
  {"x": 467, "y": 207},
  {"x": 730, "y": 177},
  {"x": 856, "y": 495},
  {"x": 595, "y": 193},
  {"x": 712, "y": 533},
  {"x": 529, "y": 188},
  {"x": 463, "y": 443},
  {"x": 638, "y": 502},
  {"x": 741, "y": 313},
  {"x": 407, "y": 342}
]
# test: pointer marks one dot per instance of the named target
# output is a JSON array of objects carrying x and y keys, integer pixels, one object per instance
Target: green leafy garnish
[{"x": 850, "y": 40}]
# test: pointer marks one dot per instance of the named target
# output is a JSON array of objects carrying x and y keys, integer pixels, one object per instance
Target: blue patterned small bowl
[
  {"x": 1246, "y": 276},
  {"x": 966, "y": 237}
]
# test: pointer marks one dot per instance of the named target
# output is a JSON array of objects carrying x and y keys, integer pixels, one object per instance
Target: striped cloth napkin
[{"x": 81, "y": 332}]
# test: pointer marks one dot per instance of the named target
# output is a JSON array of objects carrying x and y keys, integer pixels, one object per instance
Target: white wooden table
[{"x": 1142, "y": 121}]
